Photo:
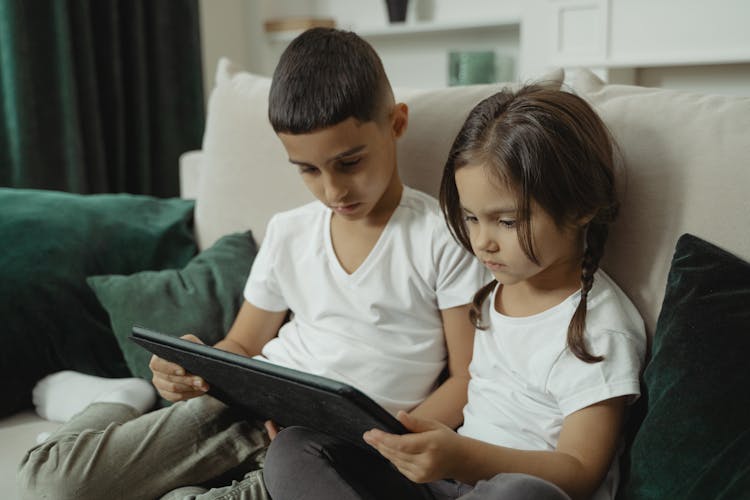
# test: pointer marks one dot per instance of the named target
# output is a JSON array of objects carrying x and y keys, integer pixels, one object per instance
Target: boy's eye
[{"x": 349, "y": 162}]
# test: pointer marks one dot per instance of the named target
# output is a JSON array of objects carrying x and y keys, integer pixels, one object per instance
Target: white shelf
[
  {"x": 415, "y": 28},
  {"x": 705, "y": 58}
]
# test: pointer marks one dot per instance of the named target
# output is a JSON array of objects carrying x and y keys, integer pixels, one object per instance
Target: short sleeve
[
  {"x": 262, "y": 288},
  {"x": 459, "y": 275},
  {"x": 576, "y": 384}
]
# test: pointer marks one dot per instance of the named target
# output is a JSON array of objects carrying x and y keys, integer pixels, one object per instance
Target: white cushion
[
  {"x": 687, "y": 169},
  {"x": 246, "y": 176}
]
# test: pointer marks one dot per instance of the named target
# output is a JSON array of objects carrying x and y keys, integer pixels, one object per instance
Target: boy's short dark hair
[{"x": 324, "y": 77}]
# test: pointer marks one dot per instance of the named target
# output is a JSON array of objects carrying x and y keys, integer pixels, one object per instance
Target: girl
[{"x": 529, "y": 188}]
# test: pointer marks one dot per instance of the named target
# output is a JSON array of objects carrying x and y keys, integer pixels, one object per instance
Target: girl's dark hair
[
  {"x": 549, "y": 146},
  {"x": 324, "y": 77}
]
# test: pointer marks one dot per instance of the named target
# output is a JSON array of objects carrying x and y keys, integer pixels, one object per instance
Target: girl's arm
[
  {"x": 587, "y": 444},
  {"x": 446, "y": 403}
]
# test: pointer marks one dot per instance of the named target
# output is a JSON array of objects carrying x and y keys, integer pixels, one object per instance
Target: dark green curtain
[{"x": 99, "y": 95}]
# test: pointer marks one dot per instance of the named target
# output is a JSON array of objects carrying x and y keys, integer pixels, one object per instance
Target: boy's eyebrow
[{"x": 344, "y": 154}]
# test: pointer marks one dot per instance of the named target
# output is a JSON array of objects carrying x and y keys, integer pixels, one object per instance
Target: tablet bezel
[{"x": 270, "y": 390}]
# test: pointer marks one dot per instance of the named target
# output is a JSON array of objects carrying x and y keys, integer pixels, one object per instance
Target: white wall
[{"x": 688, "y": 44}]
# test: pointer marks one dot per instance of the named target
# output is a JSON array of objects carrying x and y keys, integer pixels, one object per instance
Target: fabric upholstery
[
  {"x": 685, "y": 169},
  {"x": 693, "y": 442},
  {"x": 202, "y": 298},
  {"x": 49, "y": 243}
]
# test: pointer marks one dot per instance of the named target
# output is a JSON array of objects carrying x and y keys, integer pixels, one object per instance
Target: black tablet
[{"x": 267, "y": 391}]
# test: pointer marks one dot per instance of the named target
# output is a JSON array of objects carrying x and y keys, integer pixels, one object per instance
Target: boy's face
[
  {"x": 351, "y": 166},
  {"x": 490, "y": 215}
]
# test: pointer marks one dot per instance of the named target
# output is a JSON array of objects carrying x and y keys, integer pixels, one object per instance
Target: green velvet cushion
[
  {"x": 49, "y": 243},
  {"x": 202, "y": 298},
  {"x": 694, "y": 442}
]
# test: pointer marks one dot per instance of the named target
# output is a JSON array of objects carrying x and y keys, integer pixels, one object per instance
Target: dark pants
[{"x": 304, "y": 464}]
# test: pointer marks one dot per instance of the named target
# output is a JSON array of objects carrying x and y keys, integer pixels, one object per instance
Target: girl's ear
[{"x": 399, "y": 119}]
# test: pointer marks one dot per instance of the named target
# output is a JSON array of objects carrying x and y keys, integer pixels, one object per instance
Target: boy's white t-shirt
[
  {"x": 525, "y": 381},
  {"x": 379, "y": 328}
]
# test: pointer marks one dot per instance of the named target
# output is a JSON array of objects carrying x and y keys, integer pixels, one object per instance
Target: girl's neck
[{"x": 539, "y": 293}]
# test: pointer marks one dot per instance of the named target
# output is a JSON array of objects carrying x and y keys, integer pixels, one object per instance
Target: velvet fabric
[
  {"x": 203, "y": 298},
  {"x": 694, "y": 441},
  {"x": 99, "y": 96},
  {"x": 49, "y": 243}
]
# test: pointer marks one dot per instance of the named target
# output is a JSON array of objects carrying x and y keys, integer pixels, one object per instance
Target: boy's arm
[
  {"x": 252, "y": 329},
  {"x": 446, "y": 403}
]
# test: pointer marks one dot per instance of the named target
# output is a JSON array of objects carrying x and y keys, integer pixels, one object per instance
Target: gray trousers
[
  {"x": 199, "y": 449},
  {"x": 326, "y": 468}
]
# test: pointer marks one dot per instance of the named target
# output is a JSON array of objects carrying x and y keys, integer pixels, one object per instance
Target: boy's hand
[
  {"x": 172, "y": 381},
  {"x": 424, "y": 456}
]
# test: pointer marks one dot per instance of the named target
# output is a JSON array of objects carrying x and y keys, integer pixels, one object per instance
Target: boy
[{"x": 378, "y": 288}]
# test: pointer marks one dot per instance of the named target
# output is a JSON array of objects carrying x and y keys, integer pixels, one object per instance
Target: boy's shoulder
[
  {"x": 420, "y": 205},
  {"x": 297, "y": 219},
  {"x": 307, "y": 211}
]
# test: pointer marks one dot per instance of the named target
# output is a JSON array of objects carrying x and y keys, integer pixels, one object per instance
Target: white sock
[{"x": 59, "y": 396}]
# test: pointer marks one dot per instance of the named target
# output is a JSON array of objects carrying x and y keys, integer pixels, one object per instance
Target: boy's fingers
[
  {"x": 160, "y": 365},
  {"x": 271, "y": 428},
  {"x": 180, "y": 396},
  {"x": 180, "y": 384},
  {"x": 192, "y": 338}
]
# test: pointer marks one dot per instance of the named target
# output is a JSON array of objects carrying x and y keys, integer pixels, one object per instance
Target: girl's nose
[{"x": 484, "y": 240}]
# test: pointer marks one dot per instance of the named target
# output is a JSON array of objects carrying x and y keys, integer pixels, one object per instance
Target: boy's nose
[{"x": 335, "y": 190}]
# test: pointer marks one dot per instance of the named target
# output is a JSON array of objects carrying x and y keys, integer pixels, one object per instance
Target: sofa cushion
[
  {"x": 50, "y": 243},
  {"x": 235, "y": 190},
  {"x": 685, "y": 169},
  {"x": 202, "y": 298},
  {"x": 694, "y": 440}
]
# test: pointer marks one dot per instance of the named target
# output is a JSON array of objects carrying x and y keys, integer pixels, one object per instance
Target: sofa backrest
[{"x": 686, "y": 169}]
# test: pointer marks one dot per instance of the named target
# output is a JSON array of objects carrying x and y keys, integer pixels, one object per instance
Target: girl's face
[
  {"x": 490, "y": 214},
  {"x": 351, "y": 166}
]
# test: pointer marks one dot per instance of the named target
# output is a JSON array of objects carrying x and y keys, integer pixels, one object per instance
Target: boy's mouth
[{"x": 345, "y": 209}]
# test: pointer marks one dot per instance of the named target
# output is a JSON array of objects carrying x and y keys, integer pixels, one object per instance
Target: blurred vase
[{"x": 397, "y": 10}]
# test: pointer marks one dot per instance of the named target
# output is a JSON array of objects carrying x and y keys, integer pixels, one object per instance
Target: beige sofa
[{"x": 686, "y": 169}]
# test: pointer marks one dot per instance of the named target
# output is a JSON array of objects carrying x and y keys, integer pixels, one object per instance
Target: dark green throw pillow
[
  {"x": 49, "y": 243},
  {"x": 694, "y": 442},
  {"x": 203, "y": 298}
]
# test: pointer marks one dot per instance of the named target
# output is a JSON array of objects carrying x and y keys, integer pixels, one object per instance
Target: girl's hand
[
  {"x": 172, "y": 381},
  {"x": 424, "y": 456}
]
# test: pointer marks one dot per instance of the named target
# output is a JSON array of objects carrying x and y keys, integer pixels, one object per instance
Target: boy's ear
[{"x": 399, "y": 119}]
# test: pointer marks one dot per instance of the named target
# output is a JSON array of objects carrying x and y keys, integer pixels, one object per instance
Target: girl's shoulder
[{"x": 611, "y": 313}]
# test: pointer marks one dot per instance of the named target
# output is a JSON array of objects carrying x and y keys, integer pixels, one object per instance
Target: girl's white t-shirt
[
  {"x": 525, "y": 381},
  {"x": 378, "y": 328}
]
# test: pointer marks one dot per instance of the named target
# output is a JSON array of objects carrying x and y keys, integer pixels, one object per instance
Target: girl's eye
[
  {"x": 307, "y": 170},
  {"x": 469, "y": 219},
  {"x": 507, "y": 223}
]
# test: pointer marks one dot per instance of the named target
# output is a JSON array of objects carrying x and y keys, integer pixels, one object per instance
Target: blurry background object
[{"x": 469, "y": 67}]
